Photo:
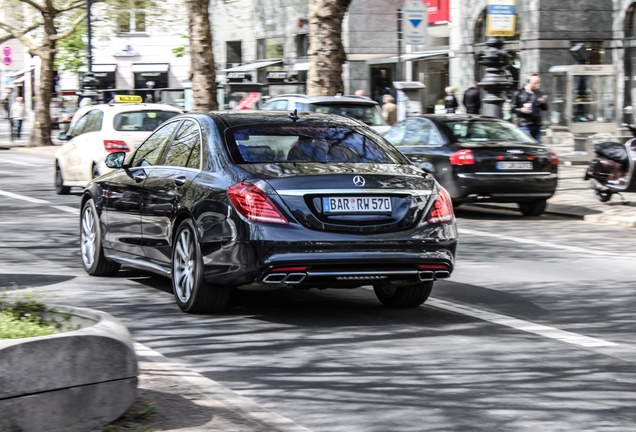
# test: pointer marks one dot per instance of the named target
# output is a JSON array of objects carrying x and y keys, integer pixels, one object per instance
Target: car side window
[
  {"x": 79, "y": 126},
  {"x": 150, "y": 150},
  {"x": 395, "y": 135},
  {"x": 277, "y": 105},
  {"x": 94, "y": 121},
  {"x": 185, "y": 148},
  {"x": 420, "y": 133}
]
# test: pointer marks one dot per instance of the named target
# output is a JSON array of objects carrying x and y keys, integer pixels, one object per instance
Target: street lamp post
[
  {"x": 89, "y": 83},
  {"x": 495, "y": 82}
]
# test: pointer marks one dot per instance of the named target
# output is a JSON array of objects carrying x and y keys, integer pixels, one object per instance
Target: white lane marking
[
  {"x": 24, "y": 198},
  {"x": 67, "y": 209},
  {"x": 19, "y": 163},
  {"x": 541, "y": 243},
  {"x": 526, "y": 326},
  {"x": 217, "y": 393}
]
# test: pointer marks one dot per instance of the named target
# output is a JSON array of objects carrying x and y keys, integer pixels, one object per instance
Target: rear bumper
[
  {"x": 345, "y": 265},
  {"x": 500, "y": 187}
]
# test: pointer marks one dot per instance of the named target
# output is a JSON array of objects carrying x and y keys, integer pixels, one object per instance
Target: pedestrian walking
[
  {"x": 472, "y": 99},
  {"x": 450, "y": 101},
  {"x": 5, "y": 108},
  {"x": 527, "y": 104},
  {"x": 17, "y": 117},
  {"x": 389, "y": 109}
]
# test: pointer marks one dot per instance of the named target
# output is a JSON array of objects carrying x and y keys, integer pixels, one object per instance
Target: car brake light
[
  {"x": 252, "y": 203},
  {"x": 554, "y": 160},
  {"x": 463, "y": 157},
  {"x": 114, "y": 145},
  {"x": 443, "y": 208}
]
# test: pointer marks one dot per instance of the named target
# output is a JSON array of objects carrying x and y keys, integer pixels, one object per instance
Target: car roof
[
  {"x": 443, "y": 118},
  {"x": 236, "y": 118},
  {"x": 326, "y": 99}
]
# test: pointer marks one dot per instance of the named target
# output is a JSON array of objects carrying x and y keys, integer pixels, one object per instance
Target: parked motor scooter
[{"x": 613, "y": 169}]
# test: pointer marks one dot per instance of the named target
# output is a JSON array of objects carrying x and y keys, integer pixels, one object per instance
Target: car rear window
[
  {"x": 310, "y": 145},
  {"x": 484, "y": 131},
  {"x": 142, "y": 121},
  {"x": 366, "y": 113}
]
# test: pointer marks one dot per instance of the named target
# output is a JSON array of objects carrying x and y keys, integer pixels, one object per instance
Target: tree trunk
[
  {"x": 202, "y": 70},
  {"x": 41, "y": 133},
  {"x": 326, "y": 53}
]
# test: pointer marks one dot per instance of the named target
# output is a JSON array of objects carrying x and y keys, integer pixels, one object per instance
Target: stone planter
[{"x": 73, "y": 381}]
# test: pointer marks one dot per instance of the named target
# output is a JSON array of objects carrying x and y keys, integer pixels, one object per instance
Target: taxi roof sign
[{"x": 128, "y": 98}]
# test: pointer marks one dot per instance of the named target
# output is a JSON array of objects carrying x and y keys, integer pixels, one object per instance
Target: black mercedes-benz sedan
[
  {"x": 479, "y": 158},
  {"x": 267, "y": 200}
]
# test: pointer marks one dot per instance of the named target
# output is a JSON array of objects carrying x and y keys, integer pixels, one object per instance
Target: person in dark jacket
[
  {"x": 527, "y": 104},
  {"x": 450, "y": 102},
  {"x": 472, "y": 99}
]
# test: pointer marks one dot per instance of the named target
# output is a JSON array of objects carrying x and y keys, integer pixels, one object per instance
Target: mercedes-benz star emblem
[{"x": 359, "y": 181}]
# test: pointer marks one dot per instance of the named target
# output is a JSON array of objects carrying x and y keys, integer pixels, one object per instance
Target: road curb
[{"x": 219, "y": 396}]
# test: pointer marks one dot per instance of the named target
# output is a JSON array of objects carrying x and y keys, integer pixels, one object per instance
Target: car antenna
[{"x": 294, "y": 115}]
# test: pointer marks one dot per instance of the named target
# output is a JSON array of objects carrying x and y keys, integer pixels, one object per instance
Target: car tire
[
  {"x": 95, "y": 172},
  {"x": 91, "y": 251},
  {"x": 60, "y": 189},
  {"x": 192, "y": 292},
  {"x": 533, "y": 208},
  {"x": 408, "y": 296}
]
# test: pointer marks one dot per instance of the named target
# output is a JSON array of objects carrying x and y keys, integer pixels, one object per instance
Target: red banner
[
  {"x": 438, "y": 11},
  {"x": 248, "y": 101}
]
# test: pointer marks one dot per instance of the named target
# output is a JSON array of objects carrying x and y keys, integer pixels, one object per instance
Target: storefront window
[
  {"x": 558, "y": 100},
  {"x": 592, "y": 98},
  {"x": 630, "y": 55}
]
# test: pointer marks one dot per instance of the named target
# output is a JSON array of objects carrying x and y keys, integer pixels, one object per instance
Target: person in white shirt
[{"x": 16, "y": 114}]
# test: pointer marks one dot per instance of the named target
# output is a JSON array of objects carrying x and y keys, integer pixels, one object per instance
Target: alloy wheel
[
  {"x": 184, "y": 265},
  {"x": 88, "y": 237}
]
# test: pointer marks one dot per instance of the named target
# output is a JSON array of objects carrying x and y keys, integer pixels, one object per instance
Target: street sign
[
  {"x": 6, "y": 61},
  {"x": 500, "y": 18},
  {"x": 7, "y": 51},
  {"x": 415, "y": 22},
  {"x": 248, "y": 101}
]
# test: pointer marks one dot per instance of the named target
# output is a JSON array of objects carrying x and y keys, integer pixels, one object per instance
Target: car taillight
[
  {"x": 252, "y": 203},
  {"x": 463, "y": 157},
  {"x": 554, "y": 160},
  {"x": 114, "y": 145},
  {"x": 443, "y": 208}
]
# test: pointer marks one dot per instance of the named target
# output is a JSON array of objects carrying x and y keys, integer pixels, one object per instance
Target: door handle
[
  {"x": 139, "y": 177},
  {"x": 180, "y": 181}
]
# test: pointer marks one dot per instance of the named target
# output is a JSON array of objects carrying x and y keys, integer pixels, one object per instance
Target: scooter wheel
[{"x": 603, "y": 196}]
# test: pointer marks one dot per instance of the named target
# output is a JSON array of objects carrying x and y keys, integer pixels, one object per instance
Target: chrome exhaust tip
[
  {"x": 426, "y": 276},
  {"x": 295, "y": 278},
  {"x": 275, "y": 278},
  {"x": 442, "y": 274}
]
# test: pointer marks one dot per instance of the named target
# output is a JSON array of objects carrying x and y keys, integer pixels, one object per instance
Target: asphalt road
[{"x": 534, "y": 331}]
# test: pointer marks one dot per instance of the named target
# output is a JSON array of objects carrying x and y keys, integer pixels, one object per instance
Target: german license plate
[
  {"x": 356, "y": 205},
  {"x": 514, "y": 165}
]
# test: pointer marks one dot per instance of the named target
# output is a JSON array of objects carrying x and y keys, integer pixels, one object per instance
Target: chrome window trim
[{"x": 303, "y": 192}]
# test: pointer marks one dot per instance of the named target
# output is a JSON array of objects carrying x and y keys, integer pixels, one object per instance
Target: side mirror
[
  {"x": 116, "y": 160},
  {"x": 628, "y": 110},
  {"x": 62, "y": 136}
]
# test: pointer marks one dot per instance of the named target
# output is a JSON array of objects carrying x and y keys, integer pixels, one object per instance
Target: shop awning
[
  {"x": 301, "y": 66},
  {"x": 21, "y": 72},
  {"x": 253, "y": 66},
  {"x": 155, "y": 67},
  {"x": 410, "y": 57},
  {"x": 105, "y": 68}
]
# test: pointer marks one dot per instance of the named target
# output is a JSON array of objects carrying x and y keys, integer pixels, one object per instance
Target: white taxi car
[{"x": 98, "y": 130}]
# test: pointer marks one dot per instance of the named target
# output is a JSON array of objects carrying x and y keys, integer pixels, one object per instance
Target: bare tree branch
[
  {"x": 34, "y": 4},
  {"x": 73, "y": 5},
  {"x": 71, "y": 29},
  {"x": 20, "y": 34}
]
